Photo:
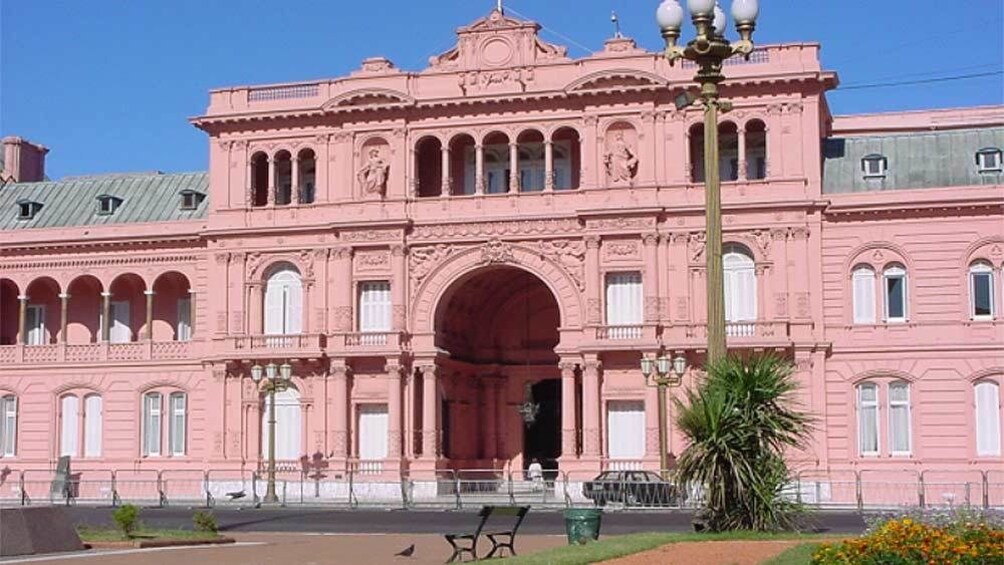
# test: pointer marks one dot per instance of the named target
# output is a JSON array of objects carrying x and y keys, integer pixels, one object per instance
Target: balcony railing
[
  {"x": 264, "y": 346},
  {"x": 96, "y": 352},
  {"x": 369, "y": 341},
  {"x": 737, "y": 333},
  {"x": 633, "y": 332}
]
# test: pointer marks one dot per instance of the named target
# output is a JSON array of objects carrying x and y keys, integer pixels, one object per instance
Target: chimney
[{"x": 23, "y": 161}]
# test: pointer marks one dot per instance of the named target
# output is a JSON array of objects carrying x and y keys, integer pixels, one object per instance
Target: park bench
[{"x": 501, "y": 533}]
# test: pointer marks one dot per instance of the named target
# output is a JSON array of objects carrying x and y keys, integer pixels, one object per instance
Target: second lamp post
[
  {"x": 662, "y": 373},
  {"x": 276, "y": 380}
]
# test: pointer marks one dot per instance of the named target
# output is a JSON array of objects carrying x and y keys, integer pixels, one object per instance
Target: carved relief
[
  {"x": 651, "y": 308},
  {"x": 371, "y": 235},
  {"x": 763, "y": 241},
  {"x": 497, "y": 251},
  {"x": 682, "y": 308},
  {"x": 424, "y": 259},
  {"x": 373, "y": 261},
  {"x": 343, "y": 318},
  {"x": 802, "y": 304},
  {"x": 696, "y": 246},
  {"x": 593, "y": 310},
  {"x": 621, "y": 222},
  {"x": 781, "y": 305},
  {"x": 490, "y": 229},
  {"x": 571, "y": 255},
  {"x": 621, "y": 250},
  {"x": 620, "y": 160},
  {"x": 373, "y": 173}
]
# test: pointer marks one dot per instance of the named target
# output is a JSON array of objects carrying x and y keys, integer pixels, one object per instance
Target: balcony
[
  {"x": 369, "y": 343},
  {"x": 252, "y": 347},
  {"x": 625, "y": 336},
  {"x": 738, "y": 334},
  {"x": 97, "y": 352}
]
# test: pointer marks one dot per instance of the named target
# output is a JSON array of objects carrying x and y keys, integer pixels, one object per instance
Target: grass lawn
[
  {"x": 798, "y": 555},
  {"x": 112, "y": 534},
  {"x": 619, "y": 546}
]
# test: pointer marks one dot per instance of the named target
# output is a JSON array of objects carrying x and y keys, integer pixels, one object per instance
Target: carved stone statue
[
  {"x": 621, "y": 162},
  {"x": 373, "y": 175}
]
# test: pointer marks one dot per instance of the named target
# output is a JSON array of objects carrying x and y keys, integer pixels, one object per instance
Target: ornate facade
[{"x": 429, "y": 250}]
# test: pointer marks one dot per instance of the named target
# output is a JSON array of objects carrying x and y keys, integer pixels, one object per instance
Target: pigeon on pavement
[
  {"x": 236, "y": 495},
  {"x": 407, "y": 552}
]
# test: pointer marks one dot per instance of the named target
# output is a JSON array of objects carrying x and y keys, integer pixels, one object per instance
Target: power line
[
  {"x": 552, "y": 32},
  {"x": 922, "y": 81}
]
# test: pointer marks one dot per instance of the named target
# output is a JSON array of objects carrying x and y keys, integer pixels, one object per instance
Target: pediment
[
  {"x": 497, "y": 41},
  {"x": 368, "y": 98},
  {"x": 615, "y": 80}
]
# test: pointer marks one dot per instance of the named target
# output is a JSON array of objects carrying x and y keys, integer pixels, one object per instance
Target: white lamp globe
[
  {"x": 745, "y": 11},
  {"x": 669, "y": 15},
  {"x": 701, "y": 7},
  {"x": 719, "y": 21}
]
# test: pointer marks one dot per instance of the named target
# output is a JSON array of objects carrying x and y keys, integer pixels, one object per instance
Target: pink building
[{"x": 428, "y": 250}]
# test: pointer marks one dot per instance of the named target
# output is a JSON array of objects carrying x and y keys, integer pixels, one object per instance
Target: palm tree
[{"x": 739, "y": 421}]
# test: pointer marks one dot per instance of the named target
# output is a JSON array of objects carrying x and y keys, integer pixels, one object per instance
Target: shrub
[
  {"x": 205, "y": 522},
  {"x": 127, "y": 519},
  {"x": 961, "y": 539}
]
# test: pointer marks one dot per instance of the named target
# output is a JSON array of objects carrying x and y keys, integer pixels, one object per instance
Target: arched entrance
[{"x": 496, "y": 329}]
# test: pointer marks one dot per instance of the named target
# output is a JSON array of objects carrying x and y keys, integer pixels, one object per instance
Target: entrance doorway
[{"x": 542, "y": 439}]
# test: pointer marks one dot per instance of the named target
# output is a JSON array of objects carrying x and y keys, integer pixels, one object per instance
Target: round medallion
[{"x": 496, "y": 51}]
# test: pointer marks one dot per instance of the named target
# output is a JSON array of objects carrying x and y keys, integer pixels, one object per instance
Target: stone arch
[
  {"x": 989, "y": 249},
  {"x": 260, "y": 269},
  {"x": 986, "y": 373},
  {"x": 464, "y": 263},
  {"x": 890, "y": 375},
  {"x": 889, "y": 253}
]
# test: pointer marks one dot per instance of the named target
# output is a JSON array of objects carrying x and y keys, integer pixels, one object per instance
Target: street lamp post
[
  {"x": 276, "y": 380},
  {"x": 709, "y": 50},
  {"x": 662, "y": 373}
]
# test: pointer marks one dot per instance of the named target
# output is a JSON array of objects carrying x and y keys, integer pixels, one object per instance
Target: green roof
[
  {"x": 146, "y": 197},
  {"x": 932, "y": 159}
]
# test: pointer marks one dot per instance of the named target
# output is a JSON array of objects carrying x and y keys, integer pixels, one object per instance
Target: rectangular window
[
  {"x": 373, "y": 429},
  {"x": 899, "y": 419},
  {"x": 626, "y": 429},
  {"x": 988, "y": 419},
  {"x": 184, "y": 329},
  {"x": 176, "y": 426},
  {"x": 69, "y": 432},
  {"x": 895, "y": 297},
  {"x": 868, "y": 419},
  {"x": 92, "y": 425},
  {"x": 863, "y": 282},
  {"x": 374, "y": 306},
  {"x": 151, "y": 424},
  {"x": 624, "y": 305},
  {"x": 982, "y": 284},
  {"x": 120, "y": 332},
  {"x": 8, "y": 425},
  {"x": 35, "y": 324}
]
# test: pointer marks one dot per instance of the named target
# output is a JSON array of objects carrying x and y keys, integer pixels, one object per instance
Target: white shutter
[
  {"x": 868, "y": 419},
  {"x": 625, "y": 429},
  {"x": 287, "y": 426},
  {"x": 373, "y": 429},
  {"x": 92, "y": 425},
  {"x": 176, "y": 425},
  {"x": 374, "y": 306},
  {"x": 184, "y": 329},
  {"x": 863, "y": 283},
  {"x": 899, "y": 418},
  {"x": 8, "y": 425},
  {"x": 274, "y": 307},
  {"x": 294, "y": 307},
  {"x": 988, "y": 419},
  {"x": 69, "y": 432},
  {"x": 35, "y": 324},
  {"x": 120, "y": 331},
  {"x": 151, "y": 424},
  {"x": 748, "y": 284},
  {"x": 624, "y": 304},
  {"x": 739, "y": 275}
]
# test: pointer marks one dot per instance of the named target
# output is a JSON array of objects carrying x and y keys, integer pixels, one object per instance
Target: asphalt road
[{"x": 538, "y": 522}]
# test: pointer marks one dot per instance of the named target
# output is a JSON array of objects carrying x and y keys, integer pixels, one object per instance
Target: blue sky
[{"x": 108, "y": 85}]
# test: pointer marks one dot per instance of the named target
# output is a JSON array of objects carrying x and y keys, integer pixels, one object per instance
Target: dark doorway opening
[{"x": 542, "y": 439}]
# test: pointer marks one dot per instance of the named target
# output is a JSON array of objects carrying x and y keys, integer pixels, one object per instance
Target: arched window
[
  {"x": 863, "y": 290},
  {"x": 69, "y": 418},
  {"x": 756, "y": 150},
  {"x": 429, "y": 167},
  {"x": 287, "y": 425},
  {"x": 728, "y": 159},
  {"x": 8, "y": 425},
  {"x": 284, "y": 302},
  {"x": 69, "y": 429},
  {"x": 900, "y": 437},
  {"x": 567, "y": 159},
  {"x": 868, "y": 420},
  {"x": 153, "y": 423},
  {"x": 531, "y": 164},
  {"x": 152, "y": 411},
  {"x": 283, "y": 178},
  {"x": 894, "y": 295},
  {"x": 740, "y": 287},
  {"x": 307, "y": 173},
  {"x": 177, "y": 424},
  {"x": 988, "y": 418},
  {"x": 981, "y": 291},
  {"x": 259, "y": 179}
]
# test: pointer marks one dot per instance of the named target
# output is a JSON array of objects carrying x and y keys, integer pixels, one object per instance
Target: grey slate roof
[
  {"x": 915, "y": 160},
  {"x": 147, "y": 197}
]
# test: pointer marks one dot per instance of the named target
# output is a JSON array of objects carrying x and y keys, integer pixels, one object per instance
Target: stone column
[
  {"x": 271, "y": 181},
  {"x": 294, "y": 196},
  {"x": 429, "y": 411},
  {"x": 398, "y": 284},
  {"x": 106, "y": 309},
  {"x": 513, "y": 167},
  {"x": 409, "y": 414},
  {"x": 445, "y": 164},
  {"x": 255, "y": 309},
  {"x": 594, "y": 284},
  {"x": 340, "y": 410},
  {"x": 64, "y": 304},
  {"x": 22, "y": 319},
  {"x": 650, "y": 283},
  {"x": 591, "y": 407},
  {"x": 742, "y": 154},
  {"x": 479, "y": 169},
  {"x": 394, "y": 412},
  {"x": 341, "y": 291},
  {"x": 192, "y": 311},
  {"x": 148, "y": 332},
  {"x": 548, "y": 165},
  {"x": 568, "y": 431}
]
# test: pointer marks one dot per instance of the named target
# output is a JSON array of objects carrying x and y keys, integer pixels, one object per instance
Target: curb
[{"x": 147, "y": 544}]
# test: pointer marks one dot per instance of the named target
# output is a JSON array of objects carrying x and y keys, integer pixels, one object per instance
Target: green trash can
[{"x": 583, "y": 525}]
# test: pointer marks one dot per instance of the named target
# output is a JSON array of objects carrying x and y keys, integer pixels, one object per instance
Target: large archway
[{"x": 496, "y": 329}]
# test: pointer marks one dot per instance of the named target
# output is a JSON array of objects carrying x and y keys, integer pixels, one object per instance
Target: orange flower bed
[{"x": 906, "y": 541}]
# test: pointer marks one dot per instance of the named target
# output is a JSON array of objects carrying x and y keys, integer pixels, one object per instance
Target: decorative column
[
  {"x": 742, "y": 154},
  {"x": 106, "y": 309},
  {"x": 650, "y": 284},
  {"x": 568, "y": 431},
  {"x": 271, "y": 181},
  {"x": 409, "y": 414},
  {"x": 148, "y": 332},
  {"x": 445, "y": 165},
  {"x": 429, "y": 410},
  {"x": 22, "y": 319},
  {"x": 340, "y": 412},
  {"x": 513, "y": 167},
  {"x": 294, "y": 197},
  {"x": 594, "y": 286},
  {"x": 64, "y": 305},
  {"x": 591, "y": 407},
  {"x": 394, "y": 412},
  {"x": 548, "y": 165},
  {"x": 652, "y": 420},
  {"x": 341, "y": 291},
  {"x": 479, "y": 169},
  {"x": 255, "y": 306},
  {"x": 192, "y": 310},
  {"x": 398, "y": 255}
]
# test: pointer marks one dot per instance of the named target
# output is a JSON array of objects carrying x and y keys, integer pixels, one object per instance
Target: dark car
[{"x": 632, "y": 488}]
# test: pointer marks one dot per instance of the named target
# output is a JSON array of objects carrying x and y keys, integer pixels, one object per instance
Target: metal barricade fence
[
  {"x": 993, "y": 489},
  {"x": 827, "y": 489},
  {"x": 879, "y": 489},
  {"x": 950, "y": 488}
]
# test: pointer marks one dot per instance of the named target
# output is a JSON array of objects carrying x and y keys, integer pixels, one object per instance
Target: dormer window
[
  {"x": 988, "y": 160},
  {"x": 874, "y": 166},
  {"x": 190, "y": 199},
  {"x": 108, "y": 204},
  {"x": 27, "y": 209}
]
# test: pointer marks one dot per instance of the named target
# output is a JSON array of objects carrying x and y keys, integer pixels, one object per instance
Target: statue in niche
[
  {"x": 620, "y": 160},
  {"x": 373, "y": 175}
]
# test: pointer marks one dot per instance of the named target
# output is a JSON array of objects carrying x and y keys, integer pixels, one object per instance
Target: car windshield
[{"x": 609, "y": 476}]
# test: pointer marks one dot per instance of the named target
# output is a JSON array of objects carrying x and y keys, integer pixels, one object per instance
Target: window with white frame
[
  {"x": 151, "y": 423},
  {"x": 895, "y": 295},
  {"x": 373, "y": 423},
  {"x": 899, "y": 418},
  {"x": 981, "y": 291},
  {"x": 739, "y": 275},
  {"x": 176, "y": 425},
  {"x": 863, "y": 290},
  {"x": 374, "y": 306},
  {"x": 988, "y": 160},
  {"x": 988, "y": 418},
  {"x": 35, "y": 324},
  {"x": 624, "y": 307},
  {"x": 93, "y": 416},
  {"x": 69, "y": 417},
  {"x": 284, "y": 302},
  {"x": 8, "y": 425},
  {"x": 874, "y": 166},
  {"x": 868, "y": 419},
  {"x": 288, "y": 425},
  {"x": 626, "y": 429}
]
